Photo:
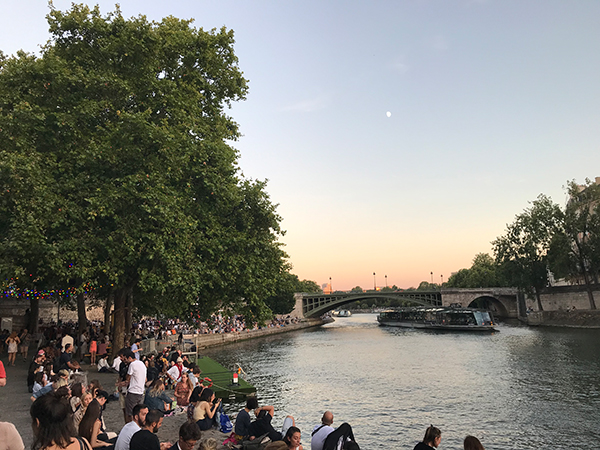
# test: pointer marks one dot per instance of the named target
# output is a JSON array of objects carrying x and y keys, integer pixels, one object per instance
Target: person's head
[
  {"x": 102, "y": 397},
  {"x": 472, "y": 443},
  {"x": 196, "y": 370},
  {"x": 433, "y": 436},
  {"x": 52, "y": 421},
  {"x": 207, "y": 395},
  {"x": 63, "y": 373},
  {"x": 39, "y": 378},
  {"x": 128, "y": 355},
  {"x": 251, "y": 403},
  {"x": 77, "y": 389},
  {"x": 292, "y": 437},
  {"x": 189, "y": 434},
  {"x": 139, "y": 413},
  {"x": 153, "y": 420},
  {"x": 327, "y": 418},
  {"x": 92, "y": 413},
  {"x": 209, "y": 444},
  {"x": 195, "y": 396},
  {"x": 68, "y": 348},
  {"x": 86, "y": 399},
  {"x": 59, "y": 383},
  {"x": 157, "y": 387}
]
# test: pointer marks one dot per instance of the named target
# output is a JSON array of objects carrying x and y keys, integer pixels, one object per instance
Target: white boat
[{"x": 438, "y": 318}]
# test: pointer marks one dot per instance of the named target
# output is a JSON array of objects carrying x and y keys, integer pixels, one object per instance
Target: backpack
[{"x": 225, "y": 425}]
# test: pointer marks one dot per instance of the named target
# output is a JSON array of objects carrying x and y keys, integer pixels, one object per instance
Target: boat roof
[{"x": 435, "y": 309}]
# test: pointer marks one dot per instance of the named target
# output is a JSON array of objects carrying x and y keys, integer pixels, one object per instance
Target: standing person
[
  {"x": 321, "y": 432},
  {"x": 136, "y": 348},
  {"x": 127, "y": 432},
  {"x": 136, "y": 383},
  {"x": 189, "y": 434},
  {"x": 36, "y": 366},
  {"x": 93, "y": 349},
  {"x": 52, "y": 425},
  {"x": 12, "y": 342},
  {"x": 432, "y": 439},
  {"x": 25, "y": 339},
  {"x": 472, "y": 443},
  {"x": 292, "y": 438},
  {"x": 146, "y": 438}
]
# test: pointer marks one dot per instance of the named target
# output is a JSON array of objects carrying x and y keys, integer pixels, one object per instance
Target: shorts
[
  {"x": 131, "y": 400},
  {"x": 122, "y": 400}
]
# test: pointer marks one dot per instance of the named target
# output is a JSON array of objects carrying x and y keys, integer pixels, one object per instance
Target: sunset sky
[{"x": 491, "y": 103}]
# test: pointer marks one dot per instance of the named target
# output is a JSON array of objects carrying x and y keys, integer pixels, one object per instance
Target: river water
[{"x": 520, "y": 388}]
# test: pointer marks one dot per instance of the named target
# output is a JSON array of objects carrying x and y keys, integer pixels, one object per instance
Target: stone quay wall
[{"x": 213, "y": 340}]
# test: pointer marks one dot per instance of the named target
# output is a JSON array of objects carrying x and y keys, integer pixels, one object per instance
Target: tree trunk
[
  {"x": 82, "y": 319},
  {"x": 118, "y": 328},
  {"x": 588, "y": 288},
  {"x": 539, "y": 300},
  {"x": 128, "y": 313},
  {"x": 34, "y": 314},
  {"x": 107, "y": 307}
]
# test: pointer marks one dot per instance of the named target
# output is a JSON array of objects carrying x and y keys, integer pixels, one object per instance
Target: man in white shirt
[
  {"x": 116, "y": 364},
  {"x": 321, "y": 432},
  {"x": 139, "y": 416},
  {"x": 135, "y": 382}
]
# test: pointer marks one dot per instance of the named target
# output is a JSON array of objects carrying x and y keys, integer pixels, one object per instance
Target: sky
[{"x": 490, "y": 102}]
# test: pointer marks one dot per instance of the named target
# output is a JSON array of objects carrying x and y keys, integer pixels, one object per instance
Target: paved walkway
[{"x": 15, "y": 404}]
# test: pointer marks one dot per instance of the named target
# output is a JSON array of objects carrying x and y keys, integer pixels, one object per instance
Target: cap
[
  {"x": 179, "y": 360},
  {"x": 41, "y": 352}
]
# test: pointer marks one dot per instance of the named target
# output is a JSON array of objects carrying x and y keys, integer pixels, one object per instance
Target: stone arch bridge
[{"x": 503, "y": 302}]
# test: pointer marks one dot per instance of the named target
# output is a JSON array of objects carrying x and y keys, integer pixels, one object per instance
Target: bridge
[{"x": 503, "y": 302}]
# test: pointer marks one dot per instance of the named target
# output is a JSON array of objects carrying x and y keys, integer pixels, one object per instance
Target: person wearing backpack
[{"x": 320, "y": 432}]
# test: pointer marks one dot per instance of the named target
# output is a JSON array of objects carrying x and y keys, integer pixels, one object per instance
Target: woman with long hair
[
  {"x": 472, "y": 443},
  {"x": 156, "y": 397},
  {"x": 86, "y": 399},
  {"x": 13, "y": 342},
  {"x": 432, "y": 439},
  {"x": 205, "y": 409},
  {"x": 91, "y": 424},
  {"x": 292, "y": 438},
  {"x": 52, "y": 425},
  {"x": 25, "y": 338},
  {"x": 183, "y": 390}
]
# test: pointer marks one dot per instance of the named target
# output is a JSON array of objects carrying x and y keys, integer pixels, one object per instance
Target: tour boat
[{"x": 438, "y": 318}]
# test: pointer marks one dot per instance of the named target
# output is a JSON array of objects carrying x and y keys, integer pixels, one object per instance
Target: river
[{"x": 520, "y": 388}]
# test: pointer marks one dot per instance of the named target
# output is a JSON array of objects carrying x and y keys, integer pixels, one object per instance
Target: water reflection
[{"x": 522, "y": 388}]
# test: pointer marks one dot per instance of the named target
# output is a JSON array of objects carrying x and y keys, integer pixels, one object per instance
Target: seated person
[
  {"x": 321, "y": 431},
  {"x": 189, "y": 434},
  {"x": 262, "y": 424},
  {"x": 243, "y": 420},
  {"x": 205, "y": 409},
  {"x": 156, "y": 397}
]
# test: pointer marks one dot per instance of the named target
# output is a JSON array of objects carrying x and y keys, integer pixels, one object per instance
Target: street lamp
[
  {"x": 442, "y": 277},
  {"x": 431, "y": 277},
  {"x": 330, "y": 286},
  {"x": 386, "y": 285},
  {"x": 374, "y": 282}
]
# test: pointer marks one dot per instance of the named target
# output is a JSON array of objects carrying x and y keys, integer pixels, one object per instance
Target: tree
[
  {"x": 484, "y": 272},
  {"x": 116, "y": 170},
  {"x": 523, "y": 250},
  {"x": 575, "y": 250},
  {"x": 310, "y": 287},
  {"x": 357, "y": 289}
]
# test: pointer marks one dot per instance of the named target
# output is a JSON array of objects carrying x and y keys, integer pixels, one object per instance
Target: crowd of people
[{"x": 68, "y": 413}]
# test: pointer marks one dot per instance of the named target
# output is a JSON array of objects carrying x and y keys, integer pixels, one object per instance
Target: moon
[{"x": 389, "y": 114}]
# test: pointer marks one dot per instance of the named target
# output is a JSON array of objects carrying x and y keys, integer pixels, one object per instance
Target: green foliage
[
  {"x": 523, "y": 250},
  {"x": 357, "y": 289},
  {"x": 115, "y": 167},
  {"x": 484, "y": 272}
]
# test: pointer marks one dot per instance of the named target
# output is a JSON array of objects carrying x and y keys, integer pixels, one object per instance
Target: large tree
[
  {"x": 117, "y": 171},
  {"x": 484, "y": 272},
  {"x": 575, "y": 251},
  {"x": 523, "y": 250}
]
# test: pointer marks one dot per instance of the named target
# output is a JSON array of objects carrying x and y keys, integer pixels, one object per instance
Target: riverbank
[
  {"x": 218, "y": 339},
  {"x": 569, "y": 318}
]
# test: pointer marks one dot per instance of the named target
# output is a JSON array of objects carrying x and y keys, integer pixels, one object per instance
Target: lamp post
[
  {"x": 442, "y": 278},
  {"x": 374, "y": 282},
  {"x": 330, "y": 286},
  {"x": 431, "y": 277},
  {"x": 386, "y": 285}
]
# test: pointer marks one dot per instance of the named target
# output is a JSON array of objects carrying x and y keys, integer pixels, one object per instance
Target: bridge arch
[{"x": 490, "y": 303}]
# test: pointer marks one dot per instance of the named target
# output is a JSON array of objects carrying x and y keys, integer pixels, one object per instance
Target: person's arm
[
  {"x": 269, "y": 409},
  {"x": 210, "y": 412}
]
